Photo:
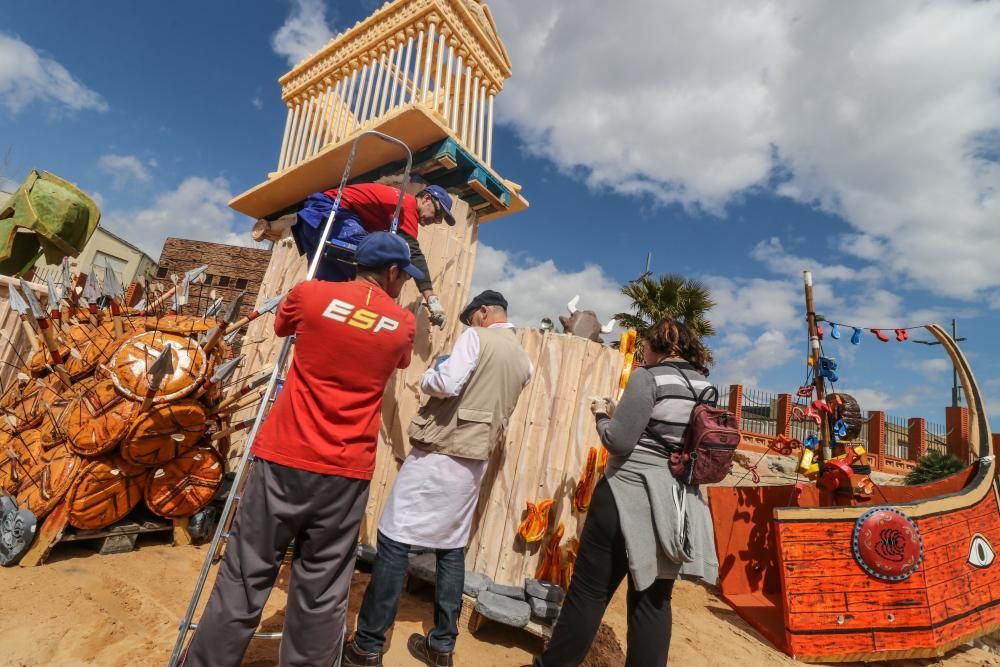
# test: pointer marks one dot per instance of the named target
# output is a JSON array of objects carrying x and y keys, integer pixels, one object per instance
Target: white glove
[{"x": 437, "y": 314}]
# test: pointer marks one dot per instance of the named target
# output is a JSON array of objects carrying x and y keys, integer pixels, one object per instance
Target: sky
[{"x": 737, "y": 141}]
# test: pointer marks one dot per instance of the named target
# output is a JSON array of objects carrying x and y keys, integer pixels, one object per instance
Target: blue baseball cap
[
  {"x": 381, "y": 249},
  {"x": 442, "y": 197}
]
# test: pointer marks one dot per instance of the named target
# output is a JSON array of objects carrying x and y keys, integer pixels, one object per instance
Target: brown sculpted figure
[{"x": 584, "y": 323}]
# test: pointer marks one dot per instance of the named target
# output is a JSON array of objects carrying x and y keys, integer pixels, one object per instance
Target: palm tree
[{"x": 670, "y": 295}]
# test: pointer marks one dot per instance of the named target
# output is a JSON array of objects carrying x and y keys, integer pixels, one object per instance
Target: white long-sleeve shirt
[
  {"x": 449, "y": 378},
  {"x": 434, "y": 496}
]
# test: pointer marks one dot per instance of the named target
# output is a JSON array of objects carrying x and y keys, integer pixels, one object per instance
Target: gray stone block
[
  {"x": 475, "y": 583},
  {"x": 423, "y": 567},
  {"x": 513, "y": 592},
  {"x": 544, "y": 609},
  {"x": 366, "y": 553},
  {"x": 543, "y": 590},
  {"x": 503, "y": 609}
]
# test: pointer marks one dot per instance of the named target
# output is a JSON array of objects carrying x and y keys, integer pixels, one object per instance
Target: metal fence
[
  {"x": 937, "y": 438},
  {"x": 760, "y": 412},
  {"x": 897, "y": 437}
]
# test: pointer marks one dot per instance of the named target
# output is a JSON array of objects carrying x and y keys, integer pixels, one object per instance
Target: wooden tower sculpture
[{"x": 424, "y": 71}]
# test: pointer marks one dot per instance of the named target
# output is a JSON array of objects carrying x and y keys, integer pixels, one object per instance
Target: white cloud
[
  {"x": 198, "y": 209},
  {"x": 757, "y": 302},
  {"x": 27, "y": 76},
  {"x": 304, "y": 31},
  {"x": 773, "y": 255},
  {"x": 741, "y": 360},
  {"x": 257, "y": 103},
  {"x": 537, "y": 289},
  {"x": 881, "y": 113},
  {"x": 124, "y": 169}
]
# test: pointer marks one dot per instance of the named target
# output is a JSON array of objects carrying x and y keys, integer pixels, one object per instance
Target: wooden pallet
[
  {"x": 472, "y": 620},
  {"x": 120, "y": 537}
]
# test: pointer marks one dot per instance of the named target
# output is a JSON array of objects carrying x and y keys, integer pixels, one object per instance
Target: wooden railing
[{"x": 432, "y": 54}]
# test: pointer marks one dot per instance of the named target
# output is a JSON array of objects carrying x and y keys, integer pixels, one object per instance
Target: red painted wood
[
  {"x": 886, "y": 600},
  {"x": 903, "y": 617},
  {"x": 833, "y": 644}
]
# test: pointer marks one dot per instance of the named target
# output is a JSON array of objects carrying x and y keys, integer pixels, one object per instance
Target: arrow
[
  {"x": 55, "y": 296},
  {"x": 245, "y": 389},
  {"x": 91, "y": 293},
  {"x": 265, "y": 307},
  {"x": 191, "y": 276},
  {"x": 47, "y": 333},
  {"x": 214, "y": 308},
  {"x": 111, "y": 289},
  {"x": 222, "y": 373},
  {"x": 18, "y": 304},
  {"x": 163, "y": 366},
  {"x": 231, "y": 312}
]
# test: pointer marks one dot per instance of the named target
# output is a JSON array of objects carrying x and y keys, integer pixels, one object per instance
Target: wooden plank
[
  {"x": 839, "y": 531},
  {"x": 49, "y": 534},
  {"x": 182, "y": 538},
  {"x": 489, "y": 538},
  {"x": 885, "y": 600},
  {"x": 859, "y": 619},
  {"x": 904, "y": 640},
  {"x": 509, "y": 565},
  {"x": 818, "y": 645},
  {"x": 816, "y": 602}
]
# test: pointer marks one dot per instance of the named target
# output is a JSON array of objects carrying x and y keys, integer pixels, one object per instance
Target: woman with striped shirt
[{"x": 642, "y": 522}]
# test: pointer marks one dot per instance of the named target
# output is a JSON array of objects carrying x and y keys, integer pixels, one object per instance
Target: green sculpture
[{"x": 46, "y": 215}]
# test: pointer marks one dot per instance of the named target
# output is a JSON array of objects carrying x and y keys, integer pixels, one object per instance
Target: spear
[
  {"x": 47, "y": 333},
  {"x": 214, "y": 308},
  {"x": 265, "y": 307},
  {"x": 192, "y": 276},
  {"x": 112, "y": 289},
  {"x": 244, "y": 390},
  {"x": 231, "y": 312},
  {"x": 91, "y": 293},
  {"x": 163, "y": 366},
  {"x": 222, "y": 373},
  {"x": 55, "y": 296},
  {"x": 233, "y": 428},
  {"x": 242, "y": 403},
  {"x": 18, "y": 304}
]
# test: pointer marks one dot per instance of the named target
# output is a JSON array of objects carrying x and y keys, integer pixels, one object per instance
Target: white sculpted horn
[
  {"x": 572, "y": 304},
  {"x": 609, "y": 327}
]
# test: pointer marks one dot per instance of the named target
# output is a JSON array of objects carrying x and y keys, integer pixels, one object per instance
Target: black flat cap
[{"x": 486, "y": 298}]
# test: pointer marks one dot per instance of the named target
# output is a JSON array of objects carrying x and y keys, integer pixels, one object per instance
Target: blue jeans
[
  {"x": 336, "y": 265},
  {"x": 381, "y": 602}
]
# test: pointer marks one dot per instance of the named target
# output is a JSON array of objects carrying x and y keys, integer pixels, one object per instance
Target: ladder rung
[{"x": 257, "y": 635}]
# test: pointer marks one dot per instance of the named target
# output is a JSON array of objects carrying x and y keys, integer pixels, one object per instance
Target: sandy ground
[{"x": 123, "y": 610}]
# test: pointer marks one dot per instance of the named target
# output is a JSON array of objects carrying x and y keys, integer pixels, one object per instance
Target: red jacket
[
  {"x": 375, "y": 203},
  {"x": 350, "y": 338}
]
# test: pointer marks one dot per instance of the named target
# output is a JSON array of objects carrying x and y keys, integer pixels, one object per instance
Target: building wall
[
  {"x": 230, "y": 270},
  {"x": 130, "y": 263}
]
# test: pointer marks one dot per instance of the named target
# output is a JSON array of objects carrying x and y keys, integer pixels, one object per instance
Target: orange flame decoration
[
  {"x": 585, "y": 487},
  {"x": 568, "y": 562},
  {"x": 627, "y": 347},
  {"x": 602, "y": 460},
  {"x": 550, "y": 568},
  {"x": 533, "y": 528}
]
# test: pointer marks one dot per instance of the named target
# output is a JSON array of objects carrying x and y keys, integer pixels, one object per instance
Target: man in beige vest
[{"x": 473, "y": 393}]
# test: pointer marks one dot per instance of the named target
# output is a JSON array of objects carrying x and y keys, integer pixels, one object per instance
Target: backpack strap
[{"x": 699, "y": 399}]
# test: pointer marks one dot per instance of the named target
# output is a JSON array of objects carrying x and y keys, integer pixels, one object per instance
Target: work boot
[
  {"x": 420, "y": 650},
  {"x": 355, "y": 657}
]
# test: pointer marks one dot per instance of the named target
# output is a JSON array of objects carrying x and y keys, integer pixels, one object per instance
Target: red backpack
[{"x": 709, "y": 443}]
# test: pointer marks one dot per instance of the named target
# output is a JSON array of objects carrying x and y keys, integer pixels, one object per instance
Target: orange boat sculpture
[{"x": 836, "y": 575}]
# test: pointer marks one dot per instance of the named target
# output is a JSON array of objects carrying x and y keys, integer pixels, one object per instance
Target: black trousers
[{"x": 601, "y": 565}]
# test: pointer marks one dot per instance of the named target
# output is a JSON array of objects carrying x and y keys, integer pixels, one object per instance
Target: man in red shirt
[
  {"x": 366, "y": 208},
  {"x": 315, "y": 455}
]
